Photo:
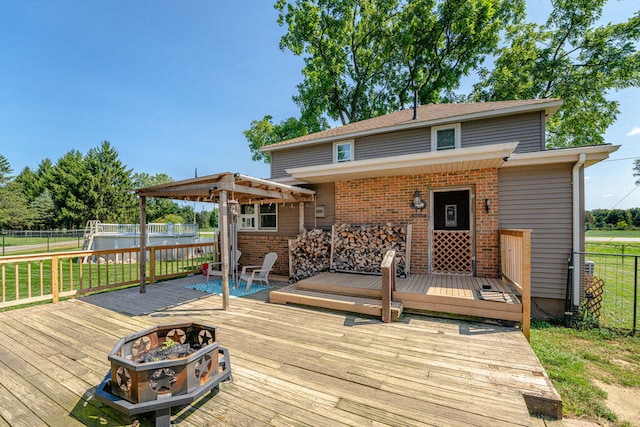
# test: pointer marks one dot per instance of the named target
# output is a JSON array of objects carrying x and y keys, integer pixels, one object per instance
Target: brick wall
[
  {"x": 387, "y": 199},
  {"x": 255, "y": 246}
]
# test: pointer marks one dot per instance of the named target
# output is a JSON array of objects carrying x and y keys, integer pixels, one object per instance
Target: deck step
[{"x": 373, "y": 307}]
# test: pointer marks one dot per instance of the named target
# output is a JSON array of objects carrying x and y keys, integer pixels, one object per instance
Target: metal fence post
[{"x": 635, "y": 295}]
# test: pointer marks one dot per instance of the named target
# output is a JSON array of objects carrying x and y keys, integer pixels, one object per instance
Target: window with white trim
[
  {"x": 343, "y": 152},
  {"x": 446, "y": 137},
  {"x": 247, "y": 218},
  {"x": 258, "y": 217}
]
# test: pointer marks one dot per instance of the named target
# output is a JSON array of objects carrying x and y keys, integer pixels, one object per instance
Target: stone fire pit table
[{"x": 164, "y": 366}]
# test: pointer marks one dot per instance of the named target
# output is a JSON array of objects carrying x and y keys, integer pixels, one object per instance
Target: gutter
[{"x": 575, "y": 175}]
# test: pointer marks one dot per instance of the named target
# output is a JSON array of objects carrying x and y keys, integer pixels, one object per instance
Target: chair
[
  {"x": 258, "y": 273},
  {"x": 212, "y": 272}
]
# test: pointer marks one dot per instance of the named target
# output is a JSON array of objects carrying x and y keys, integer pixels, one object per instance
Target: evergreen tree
[
  {"x": 43, "y": 210},
  {"x": 69, "y": 184},
  {"x": 14, "y": 210},
  {"x": 110, "y": 198},
  {"x": 5, "y": 171}
]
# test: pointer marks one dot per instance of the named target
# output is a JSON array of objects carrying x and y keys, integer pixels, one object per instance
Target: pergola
[{"x": 216, "y": 189}]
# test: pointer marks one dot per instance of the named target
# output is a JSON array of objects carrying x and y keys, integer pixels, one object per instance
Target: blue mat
[{"x": 215, "y": 287}]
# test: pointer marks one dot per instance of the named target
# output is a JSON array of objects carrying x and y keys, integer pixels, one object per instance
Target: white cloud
[
  {"x": 586, "y": 177},
  {"x": 634, "y": 131},
  {"x": 606, "y": 195}
]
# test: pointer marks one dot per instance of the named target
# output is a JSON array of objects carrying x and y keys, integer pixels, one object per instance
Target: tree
[
  {"x": 35, "y": 182},
  {"x": 572, "y": 58},
  {"x": 14, "y": 210},
  {"x": 110, "y": 197},
  {"x": 264, "y": 132},
  {"x": 434, "y": 44},
  {"x": 156, "y": 208},
  {"x": 618, "y": 216},
  {"x": 5, "y": 170},
  {"x": 69, "y": 184},
  {"x": 365, "y": 58},
  {"x": 43, "y": 210}
]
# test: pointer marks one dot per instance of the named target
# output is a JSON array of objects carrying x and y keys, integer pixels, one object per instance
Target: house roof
[
  {"x": 243, "y": 188},
  {"x": 427, "y": 115}
]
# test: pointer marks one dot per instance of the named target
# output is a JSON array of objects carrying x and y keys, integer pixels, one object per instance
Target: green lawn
[
  {"x": 575, "y": 358},
  {"x": 92, "y": 275},
  {"x": 613, "y": 233}
]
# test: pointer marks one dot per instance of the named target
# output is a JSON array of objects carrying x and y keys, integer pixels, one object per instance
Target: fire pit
[{"x": 164, "y": 366}]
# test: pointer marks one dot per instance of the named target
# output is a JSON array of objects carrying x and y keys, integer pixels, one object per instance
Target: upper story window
[
  {"x": 446, "y": 137},
  {"x": 343, "y": 151},
  {"x": 259, "y": 217}
]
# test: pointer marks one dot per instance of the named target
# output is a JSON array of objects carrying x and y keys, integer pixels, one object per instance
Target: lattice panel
[
  {"x": 451, "y": 252},
  {"x": 594, "y": 290}
]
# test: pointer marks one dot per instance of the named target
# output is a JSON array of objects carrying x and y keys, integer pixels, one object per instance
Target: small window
[
  {"x": 445, "y": 137},
  {"x": 268, "y": 217},
  {"x": 258, "y": 217},
  {"x": 343, "y": 152},
  {"x": 247, "y": 217}
]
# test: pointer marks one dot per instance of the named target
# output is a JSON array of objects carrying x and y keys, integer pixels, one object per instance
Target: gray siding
[
  {"x": 527, "y": 128},
  {"x": 540, "y": 198},
  {"x": 393, "y": 144},
  {"x": 309, "y": 155},
  {"x": 288, "y": 213},
  {"x": 325, "y": 196}
]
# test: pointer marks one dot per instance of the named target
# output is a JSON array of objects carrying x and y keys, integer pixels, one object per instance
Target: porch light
[
  {"x": 487, "y": 208},
  {"x": 418, "y": 203}
]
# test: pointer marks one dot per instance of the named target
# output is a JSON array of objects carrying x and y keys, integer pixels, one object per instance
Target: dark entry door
[{"x": 451, "y": 232}]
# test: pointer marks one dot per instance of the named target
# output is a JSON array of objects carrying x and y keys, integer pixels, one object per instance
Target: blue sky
[{"x": 173, "y": 84}]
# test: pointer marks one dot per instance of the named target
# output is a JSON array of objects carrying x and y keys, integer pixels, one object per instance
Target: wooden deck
[
  {"x": 461, "y": 295},
  {"x": 291, "y": 365}
]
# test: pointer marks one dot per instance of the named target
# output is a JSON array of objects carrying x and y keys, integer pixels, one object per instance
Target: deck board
[
  {"x": 291, "y": 365},
  {"x": 434, "y": 293}
]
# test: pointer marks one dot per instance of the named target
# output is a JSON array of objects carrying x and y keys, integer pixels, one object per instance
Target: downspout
[{"x": 576, "y": 227}]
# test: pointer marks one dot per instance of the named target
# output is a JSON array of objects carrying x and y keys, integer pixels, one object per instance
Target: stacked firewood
[
  {"x": 360, "y": 248},
  {"x": 309, "y": 254}
]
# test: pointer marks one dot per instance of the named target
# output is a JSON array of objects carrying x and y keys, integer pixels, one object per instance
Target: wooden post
[
  {"x": 224, "y": 248},
  {"x": 388, "y": 268},
  {"x": 301, "y": 216},
  {"x": 142, "y": 258},
  {"x": 407, "y": 250},
  {"x": 54, "y": 279},
  {"x": 333, "y": 232},
  {"x": 526, "y": 283},
  {"x": 152, "y": 265},
  {"x": 290, "y": 257}
]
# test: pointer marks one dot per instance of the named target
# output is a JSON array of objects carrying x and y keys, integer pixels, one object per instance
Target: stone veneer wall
[{"x": 387, "y": 199}]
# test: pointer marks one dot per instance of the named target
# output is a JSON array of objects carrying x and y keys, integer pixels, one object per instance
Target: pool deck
[{"x": 291, "y": 365}]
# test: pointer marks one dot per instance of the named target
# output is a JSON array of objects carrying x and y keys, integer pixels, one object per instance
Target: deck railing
[
  {"x": 28, "y": 279},
  {"x": 160, "y": 228},
  {"x": 515, "y": 268}
]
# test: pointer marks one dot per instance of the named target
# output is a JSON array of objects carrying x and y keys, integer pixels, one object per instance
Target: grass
[
  {"x": 92, "y": 275},
  {"x": 613, "y": 233},
  {"x": 575, "y": 358},
  {"x": 19, "y": 241}
]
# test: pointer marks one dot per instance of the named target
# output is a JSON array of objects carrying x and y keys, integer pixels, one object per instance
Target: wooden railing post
[
  {"x": 388, "y": 268},
  {"x": 54, "y": 279},
  {"x": 526, "y": 283},
  {"x": 515, "y": 266},
  {"x": 152, "y": 265}
]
